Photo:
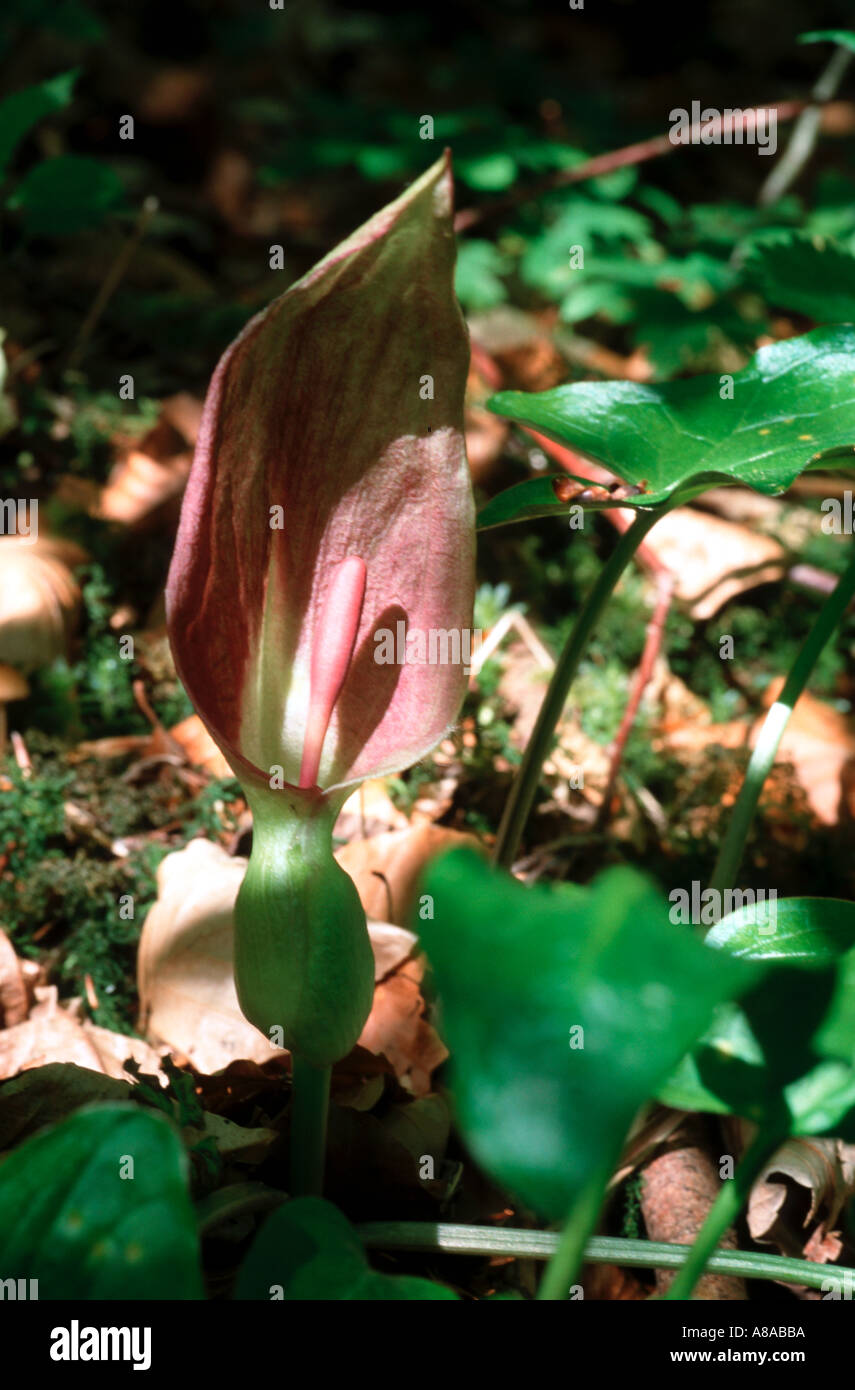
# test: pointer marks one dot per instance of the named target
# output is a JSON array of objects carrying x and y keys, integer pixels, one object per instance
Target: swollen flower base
[{"x": 303, "y": 958}]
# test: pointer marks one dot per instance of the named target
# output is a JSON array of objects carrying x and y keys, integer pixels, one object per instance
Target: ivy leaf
[
  {"x": 308, "y": 1251},
  {"x": 563, "y": 1010},
  {"x": 786, "y": 1054},
  {"x": 20, "y": 111},
  {"x": 792, "y": 404},
  {"x": 66, "y": 195},
  {"x": 97, "y": 1207},
  {"x": 806, "y": 274}
]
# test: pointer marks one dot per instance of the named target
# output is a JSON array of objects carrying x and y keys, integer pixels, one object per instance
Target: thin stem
[
  {"x": 570, "y": 1252},
  {"x": 728, "y": 1204},
  {"x": 111, "y": 282},
  {"x": 309, "y": 1108},
  {"x": 524, "y": 789},
  {"x": 730, "y": 854},
  {"x": 806, "y": 129},
  {"x": 450, "y": 1239}
]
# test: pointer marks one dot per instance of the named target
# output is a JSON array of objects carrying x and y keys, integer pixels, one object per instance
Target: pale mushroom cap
[{"x": 13, "y": 686}]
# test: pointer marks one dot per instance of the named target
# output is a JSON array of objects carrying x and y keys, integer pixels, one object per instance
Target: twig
[
  {"x": 806, "y": 129},
  {"x": 111, "y": 282},
  {"x": 652, "y": 647},
  {"x": 619, "y": 159}
]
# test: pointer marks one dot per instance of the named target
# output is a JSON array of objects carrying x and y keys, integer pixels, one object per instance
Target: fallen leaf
[
  {"x": 713, "y": 560},
  {"x": 54, "y": 1033},
  {"x": 39, "y": 599},
  {"x": 139, "y": 487},
  {"x": 186, "y": 984},
  {"x": 387, "y": 868},
  {"x": 14, "y": 998},
  {"x": 826, "y": 1169},
  {"x": 45, "y": 1095},
  {"x": 397, "y": 1029},
  {"x": 184, "y": 963},
  {"x": 200, "y": 749}
]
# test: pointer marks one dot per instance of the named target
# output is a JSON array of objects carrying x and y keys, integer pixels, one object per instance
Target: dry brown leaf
[
  {"x": 184, "y": 964},
  {"x": 819, "y": 743},
  {"x": 200, "y": 749},
  {"x": 826, "y": 1168},
  {"x": 14, "y": 998},
  {"x": 139, "y": 486},
  {"x": 184, "y": 413},
  {"x": 713, "y": 560},
  {"x": 186, "y": 983},
  {"x": 368, "y": 811},
  {"x": 397, "y": 1029},
  {"x": 39, "y": 599},
  {"x": 54, "y": 1033},
  {"x": 387, "y": 868}
]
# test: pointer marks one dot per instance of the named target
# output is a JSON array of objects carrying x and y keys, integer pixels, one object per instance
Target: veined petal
[{"x": 342, "y": 405}]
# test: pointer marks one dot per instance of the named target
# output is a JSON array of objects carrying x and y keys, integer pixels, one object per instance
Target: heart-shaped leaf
[
  {"x": 786, "y": 1054},
  {"x": 792, "y": 404},
  {"x": 97, "y": 1207},
  {"x": 563, "y": 1010},
  {"x": 308, "y": 1251}
]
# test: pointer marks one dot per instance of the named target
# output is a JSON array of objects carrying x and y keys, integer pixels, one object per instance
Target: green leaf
[
  {"x": 477, "y": 281},
  {"x": 97, "y": 1207},
  {"x": 796, "y": 929},
  {"x": 22, "y": 110},
  {"x": 66, "y": 195},
  {"x": 844, "y": 37},
  {"x": 785, "y": 1054},
  {"x": 793, "y": 403},
  {"x": 805, "y": 274},
  {"x": 518, "y": 971},
  {"x": 308, "y": 1251}
]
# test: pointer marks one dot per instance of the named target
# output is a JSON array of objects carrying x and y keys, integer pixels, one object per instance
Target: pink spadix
[{"x": 333, "y": 647}]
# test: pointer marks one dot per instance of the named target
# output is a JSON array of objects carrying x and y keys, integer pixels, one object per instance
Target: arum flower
[{"x": 329, "y": 501}]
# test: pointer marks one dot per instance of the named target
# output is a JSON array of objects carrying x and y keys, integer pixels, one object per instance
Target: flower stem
[
  {"x": 524, "y": 789},
  {"x": 728, "y": 1204},
  {"x": 450, "y": 1239},
  {"x": 309, "y": 1107},
  {"x": 570, "y": 1253},
  {"x": 730, "y": 854}
]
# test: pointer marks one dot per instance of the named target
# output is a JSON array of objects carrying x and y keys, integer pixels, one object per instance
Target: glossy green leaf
[
  {"x": 796, "y": 929},
  {"x": 519, "y": 972},
  {"x": 66, "y": 195},
  {"x": 785, "y": 1054},
  {"x": 20, "y": 111},
  {"x": 794, "y": 402},
  {"x": 97, "y": 1207},
  {"x": 308, "y": 1251}
]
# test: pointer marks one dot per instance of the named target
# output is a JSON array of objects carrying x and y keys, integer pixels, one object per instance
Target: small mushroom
[{"x": 12, "y": 687}]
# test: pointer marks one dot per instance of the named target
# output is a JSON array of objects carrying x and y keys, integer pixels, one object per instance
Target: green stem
[
  {"x": 730, "y": 854},
  {"x": 309, "y": 1107},
  {"x": 728, "y": 1204},
  {"x": 450, "y": 1239},
  {"x": 524, "y": 789},
  {"x": 570, "y": 1252}
]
